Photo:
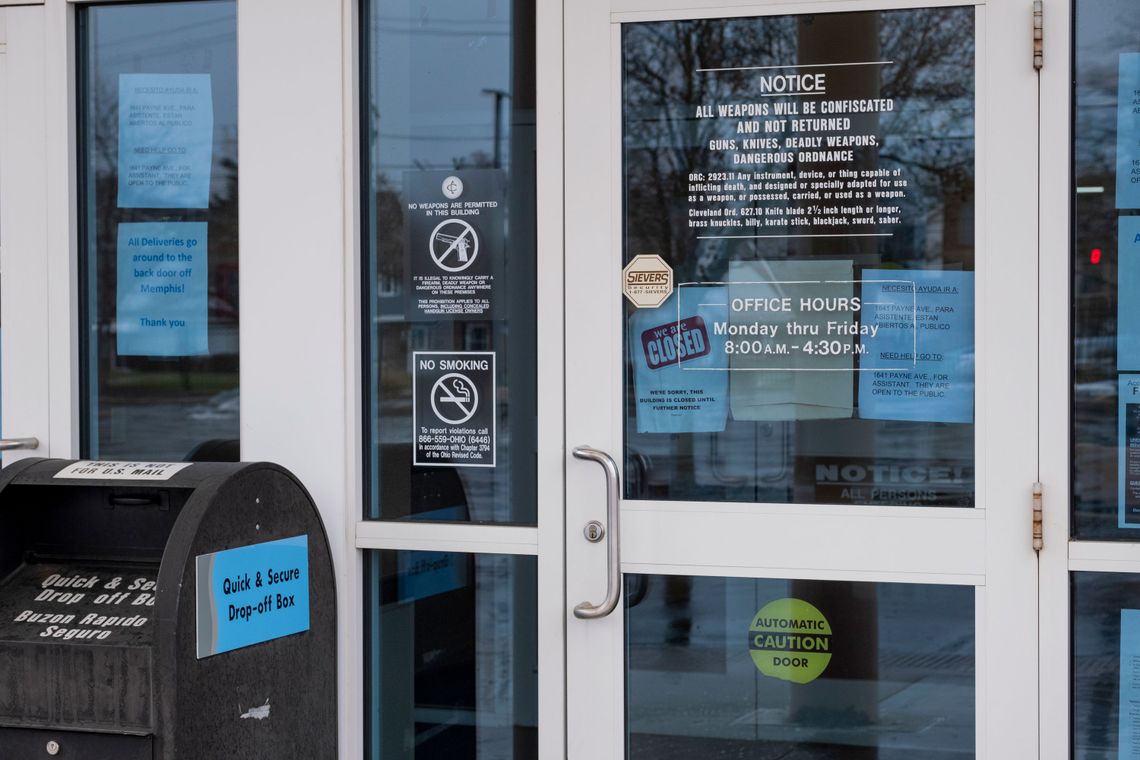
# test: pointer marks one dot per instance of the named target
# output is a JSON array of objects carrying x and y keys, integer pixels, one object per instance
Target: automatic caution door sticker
[
  {"x": 454, "y": 408},
  {"x": 454, "y": 247},
  {"x": 790, "y": 639}
]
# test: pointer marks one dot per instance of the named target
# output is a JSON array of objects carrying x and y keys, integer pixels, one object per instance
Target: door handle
[
  {"x": 585, "y": 610},
  {"x": 11, "y": 444}
]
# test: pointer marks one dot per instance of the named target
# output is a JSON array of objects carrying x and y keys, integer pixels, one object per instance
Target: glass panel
[
  {"x": 1106, "y": 272},
  {"x": 809, "y": 180},
  {"x": 1106, "y": 665},
  {"x": 816, "y": 670},
  {"x": 452, "y": 656},
  {"x": 450, "y": 202},
  {"x": 159, "y": 230}
]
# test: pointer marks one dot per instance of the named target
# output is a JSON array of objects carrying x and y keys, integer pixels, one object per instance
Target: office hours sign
[{"x": 454, "y": 246}]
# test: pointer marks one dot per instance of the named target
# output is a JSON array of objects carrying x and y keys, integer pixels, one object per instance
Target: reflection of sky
[
  {"x": 162, "y": 38},
  {"x": 432, "y": 62}
]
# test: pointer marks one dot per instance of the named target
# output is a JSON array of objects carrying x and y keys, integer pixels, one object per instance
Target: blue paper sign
[
  {"x": 162, "y": 299},
  {"x": 1128, "y": 451},
  {"x": 252, "y": 594},
  {"x": 1128, "y": 132},
  {"x": 918, "y": 360},
  {"x": 679, "y": 376},
  {"x": 1128, "y": 733},
  {"x": 166, "y": 140},
  {"x": 1128, "y": 294}
]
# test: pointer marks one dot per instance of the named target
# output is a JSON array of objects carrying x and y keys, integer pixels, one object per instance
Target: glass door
[
  {"x": 1090, "y": 574},
  {"x": 35, "y": 414},
  {"x": 809, "y": 375}
]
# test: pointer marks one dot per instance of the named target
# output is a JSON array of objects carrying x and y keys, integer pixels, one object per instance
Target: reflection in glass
[
  {"x": 735, "y": 667},
  {"x": 1105, "y": 281},
  {"x": 808, "y": 178},
  {"x": 453, "y": 656},
  {"x": 159, "y": 230},
  {"x": 450, "y": 256},
  {"x": 1106, "y": 665}
]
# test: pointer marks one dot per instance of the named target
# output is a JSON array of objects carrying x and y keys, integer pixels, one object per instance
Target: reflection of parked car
[{"x": 221, "y": 406}]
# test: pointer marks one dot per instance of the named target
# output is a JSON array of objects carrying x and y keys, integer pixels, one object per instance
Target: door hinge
[
  {"x": 1038, "y": 34},
  {"x": 1038, "y": 519}
]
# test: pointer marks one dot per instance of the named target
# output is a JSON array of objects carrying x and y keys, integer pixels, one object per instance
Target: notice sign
[
  {"x": 454, "y": 408},
  {"x": 49, "y": 603},
  {"x": 857, "y": 480},
  {"x": 1128, "y": 294},
  {"x": 1128, "y": 132},
  {"x": 1129, "y": 720},
  {"x": 455, "y": 243},
  {"x": 161, "y": 293},
  {"x": 252, "y": 594},
  {"x": 1128, "y": 452},
  {"x": 166, "y": 132}
]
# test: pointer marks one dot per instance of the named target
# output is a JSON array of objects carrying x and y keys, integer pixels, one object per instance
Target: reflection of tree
[
  {"x": 931, "y": 79},
  {"x": 664, "y": 141},
  {"x": 388, "y": 230},
  {"x": 477, "y": 159},
  {"x": 930, "y": 134}
]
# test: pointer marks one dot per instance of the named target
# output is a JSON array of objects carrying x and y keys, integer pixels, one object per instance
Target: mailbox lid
[{"x": 73, "y": 745}]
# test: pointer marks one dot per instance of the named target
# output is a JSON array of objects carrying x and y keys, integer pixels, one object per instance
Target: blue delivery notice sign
[
  {"x": 162, "y": 292},
  {"x": 252, "y": 594}
]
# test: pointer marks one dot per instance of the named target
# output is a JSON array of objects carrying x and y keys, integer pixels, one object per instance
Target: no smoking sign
[{"x": 454, "y": 408}]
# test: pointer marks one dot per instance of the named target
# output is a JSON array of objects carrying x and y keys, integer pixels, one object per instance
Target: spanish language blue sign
[
  {"x": 1128, "y": 132},
  {"x": 1128, "y": 451},
  {"x": 162, "y": 299},
  {"x": 252, "y": 594},
  {"x": 1128, "y": 294},
  {"x": 1128, "y": 733},
  {"x": 918, "y": 364},
  {"x": 166, "y": 140},
  {"x": 680, "y": 380}
]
